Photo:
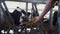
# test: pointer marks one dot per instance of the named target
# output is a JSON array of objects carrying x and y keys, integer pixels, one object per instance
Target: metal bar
[
  {"x": 3, "y": 11},
  {"x": 33, "y": 10},
  {"x": 41, "y": 27},
  {"x": 58, "y": 17},
  {"x": 10, "y": 18},
  {"x": 27, "y": 16},
  {"x": 32, "y": 1},
  {"x": 36, "y": 10},
  {"x": 26, "y": 8},
  {"x": 0, "y": 16},
  {"x": 50, "y": 21},
  {"x": 31, "y": 32}
]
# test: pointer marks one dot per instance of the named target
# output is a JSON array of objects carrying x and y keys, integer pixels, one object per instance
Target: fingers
[{"x": 32, "y": 23}]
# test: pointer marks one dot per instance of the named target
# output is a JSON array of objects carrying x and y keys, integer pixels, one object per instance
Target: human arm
[{"x": 48, "y": 6}]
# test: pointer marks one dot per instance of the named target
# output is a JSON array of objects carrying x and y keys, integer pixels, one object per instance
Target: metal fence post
[
  {"x": 58, "y": 17},
  {"x": 50, "y": 22}
]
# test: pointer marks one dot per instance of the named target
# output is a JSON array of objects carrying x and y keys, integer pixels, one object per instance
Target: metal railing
[{"x": 31, "y": 1}]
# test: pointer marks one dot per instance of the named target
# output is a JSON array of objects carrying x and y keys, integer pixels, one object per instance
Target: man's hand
[{"x": 34, "y": 21}]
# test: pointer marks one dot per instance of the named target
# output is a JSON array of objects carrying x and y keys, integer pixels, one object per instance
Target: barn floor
[{"x": 28, "y": 31}]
